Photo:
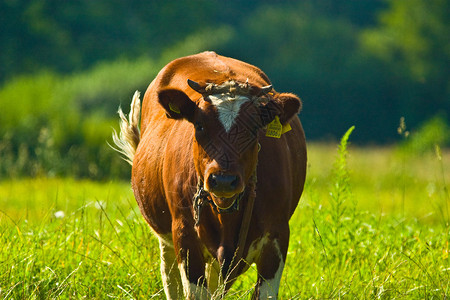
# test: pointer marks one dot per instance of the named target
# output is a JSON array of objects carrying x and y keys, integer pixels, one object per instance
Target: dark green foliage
[
  {"x": 352, "y": 62},
  {"x": 73, "y": 35}
]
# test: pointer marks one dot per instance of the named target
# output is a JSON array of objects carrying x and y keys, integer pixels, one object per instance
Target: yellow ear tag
[
  {"x": 286, "y": 128},
  {"x": 174, "y": 108},
  {"x": 274, "y": 128}
]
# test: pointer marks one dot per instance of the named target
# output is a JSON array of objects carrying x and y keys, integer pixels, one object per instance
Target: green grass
[
  {"x": 372, "y": 223},
  {"x": 74, "y": 239}
]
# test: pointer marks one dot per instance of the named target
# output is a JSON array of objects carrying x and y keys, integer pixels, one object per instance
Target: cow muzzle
[{"x": 224, "y": 188}]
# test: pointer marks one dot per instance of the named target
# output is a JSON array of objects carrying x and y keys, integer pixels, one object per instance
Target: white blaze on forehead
[{"x": 228, "y": 108}]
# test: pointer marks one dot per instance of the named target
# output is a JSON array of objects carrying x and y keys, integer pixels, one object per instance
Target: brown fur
[{"x": 171, "y": 156}]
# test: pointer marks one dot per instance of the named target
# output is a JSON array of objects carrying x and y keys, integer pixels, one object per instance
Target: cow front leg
[
  {"x": 191, "y": 263},
  {"x": 169, "y": 272},
  {"x": 270, "y": 268}
]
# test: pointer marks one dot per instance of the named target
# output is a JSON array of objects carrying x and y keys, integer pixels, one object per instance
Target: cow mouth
[{"x": 224, "y": 202}]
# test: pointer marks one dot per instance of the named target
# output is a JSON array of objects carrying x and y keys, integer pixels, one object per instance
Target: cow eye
[{"x": 198, "y": 126}]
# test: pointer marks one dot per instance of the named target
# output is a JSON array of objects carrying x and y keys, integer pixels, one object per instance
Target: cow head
[{"x": 226, "y": 119}]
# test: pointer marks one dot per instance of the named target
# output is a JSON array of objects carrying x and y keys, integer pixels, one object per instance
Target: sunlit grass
[
  {"x": 382, "y": 179},
  {"x": 391, "y": 241},
  {"x": 65, "y": 238}
]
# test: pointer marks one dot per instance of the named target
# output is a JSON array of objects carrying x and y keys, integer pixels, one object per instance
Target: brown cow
[{"x": 215, "y": 174}]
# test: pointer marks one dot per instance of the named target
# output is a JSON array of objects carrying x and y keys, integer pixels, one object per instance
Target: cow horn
[
  {"x": 195, "y": 86},
  {"x": 266, "y": 89}
]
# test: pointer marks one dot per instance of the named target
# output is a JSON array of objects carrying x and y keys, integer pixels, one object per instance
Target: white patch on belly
[{"x": 228, "y": 108}]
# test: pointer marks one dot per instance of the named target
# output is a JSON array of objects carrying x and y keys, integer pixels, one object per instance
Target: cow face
[{"x": 226, "y": 126}]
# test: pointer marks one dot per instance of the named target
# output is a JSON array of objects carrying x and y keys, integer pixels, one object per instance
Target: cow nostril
[
  {"x": 235, "y": 182},
  {"x": 212, "y": 181},
  {"x": 220, "y": 182}
]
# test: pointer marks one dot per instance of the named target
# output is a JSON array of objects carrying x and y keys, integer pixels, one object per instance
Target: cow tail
[{"x": 129, "y": 136}]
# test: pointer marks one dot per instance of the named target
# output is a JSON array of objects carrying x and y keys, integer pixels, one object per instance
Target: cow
[{"x": 218, "y": 168}]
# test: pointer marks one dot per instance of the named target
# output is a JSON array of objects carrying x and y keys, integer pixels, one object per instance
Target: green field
[{"x": 373, "y": 224}]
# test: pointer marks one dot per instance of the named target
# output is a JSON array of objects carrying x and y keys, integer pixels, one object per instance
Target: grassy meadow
[{"x": 373, "y": 223}]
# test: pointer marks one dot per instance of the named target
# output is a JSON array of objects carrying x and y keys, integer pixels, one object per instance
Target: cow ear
[
  {"x": 177, "y": 104},
  {"x": 284, "y": 105},
  {"x": 291, "y": 106}
]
